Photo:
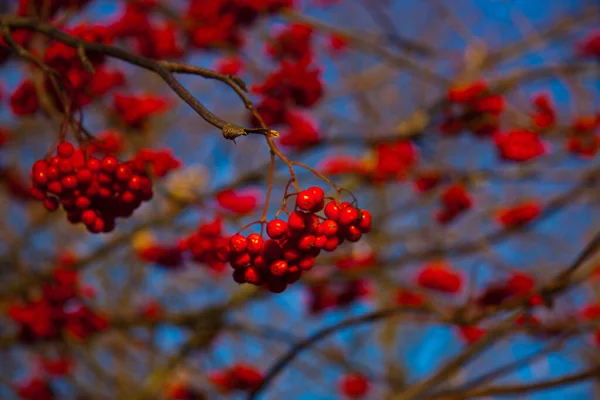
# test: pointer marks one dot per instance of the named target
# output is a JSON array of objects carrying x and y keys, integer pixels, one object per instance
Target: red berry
[
  {"x": 306, "y": 243},
  {"x": 332, "y": 210},
  {"x": 354, "y": 385},
  {"x": 65, "y": 166},
  {"x": 84, "y": 176},
  {"x": 53, "y": 173},
  {"x": 123, "y": 173},
  {"x": 348, "y": 215},
  {"x": 312, "y": 224},
  {"x": 238, "y": 243},
  {"x": 328, "y": 228},
  {"x": 252, "y": 276},
  {"x": 320, "y": 241},
  {"x": 40, "y": 177},
  {"x": 40, "y": 165},
  {"x": 65, "y": 150},
  {"x": 331, "y": 244},
  {"x": 135, "y": 183},
  {"x": 109, "y": 164},
  {"x": 260, "y": 262},
  {"x": 276, "y": 229},
  {"x": 353, "y": 233},
  {"x": 279, "y": 268},
  {"x": 292, "y": 275},
  {"x": 291, "y": 252},
  {"x": 306, "y": 263},
  {"x": 37, "y": 194},
  {"x": 319, "y": 198},
  {"x": 93, "y": 164},
  {"x": 51, "y": 203},
  {"x": 241, "y": 260},
  {"x": 223, "y": 253},
  {"x": 276, "y": 285},
  {"x": 83, "y": 202},
  {"x": 238, "y": 276},
  {"x": 365, "y": 221},
  {"x": 128, "y": 197},
  {"x": 69, "y": 182},
  {"x": 255, "y": 243},
  {"x": 272, "y": 249},
  {"x": 88, "y": 217},
  {"x": 305, "y": 200},
  {"x": 296, "y": 222},
  {"x": 55, "y": 187}
]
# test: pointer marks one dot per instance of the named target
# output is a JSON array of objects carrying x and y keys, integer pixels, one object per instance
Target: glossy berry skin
[
  {"x": 306, "y": 200},
  {"x": 354, "y": 386},
  {"x": 328, "y": 228},
  {"x": 277, "y": 229},
  {"x": 296, "y": 221},
  {"x": 319, "y": 198},
  {"x": 306, "y": 243},
  {"x": 255, "y": 243},
  {"x": 109, "y": 164},
  {"x": 279, "y": 268},
  {"x": 332, "y": 211},
  {"x": 65, "y": 150},
  {"x": 238, "y": 243},
  {"x": 365, "y": 221},
  {"x": 348, "y": 215}
]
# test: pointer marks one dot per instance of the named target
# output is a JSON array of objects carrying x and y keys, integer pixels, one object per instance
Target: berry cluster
[
  {"x": 294, "y": 245},
  {"x": 59, "y": 310},
  {"x": 238, "y": 377},
  {"x": 93, "y": 191}
]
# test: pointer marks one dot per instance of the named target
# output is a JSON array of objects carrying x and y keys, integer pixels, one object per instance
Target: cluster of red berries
[
  {"x": 294, "y": 245},
  {"x": 239, "y": 376},
  {"x": 59, "y": 310},
  {"x": 93, "y": 191}
]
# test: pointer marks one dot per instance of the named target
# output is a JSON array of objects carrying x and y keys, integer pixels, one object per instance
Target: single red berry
[
  {"x": 238, "y": 243},
  {"x": 306, "y": 263},
  {"x": 65, "y": 166},
  {"x": 37, "y": 194},
  {"x": 135, "y": 183},
  {"x": 328, "y": 228},
  {"x": 55, "y": 187},
  {"x": 123, "y": 173},
  {"x": 109, "y": 164},
  {"x": 40, "y": 165},
  {"x": 55, "y": 161},
  {"x": 239, "y": 276},
  {"x": 332, "y": 210},
  {"x": 104, "y": 179},
  {"x": 53, "y": 173},
  {"x": 241, "y": 260},
  {"x": 69, "y": 182},
  {"x": 319, "y": 198},
  {"x": 354, "y": 385},
  {"x": 291, "y": 252},
  {"x": 251, "y": 275},
  {"x": 40, "y": 177},
  {"x": 272, "y": 249},
  {"x": 255, "y": 243},
  {"x": 348, "y": 216},
  {"x": 83, "y": 202},
  {"x": 312, "y": 224},
  {"x": 276, "y": 285},
  {"x": 320, "y": 241},
  {"x": 353, "y": 233},
  {"x": 128, "y": 197},
  {"x": 279, "y": 268},
  {"x": 98, "y": 226},
  {"x": 296, "y": 222},
  {"x": 88, "y": 217},
  {"x": 84, "y": 176},
  {"x": 260, "y": 262},
  {"x": 331, "y": 244},
  {"x": 306, "y": 243},
  {"x": 276, "y": 229},
  {"x": 292, "y": 275},
  {"x": 305, "y": 200},
  {"x": 93, "y": 164},
  {"x": 51, "y": 203},
  {"x": 365, "y": 221},
  {"x": 65, "y": 150}
]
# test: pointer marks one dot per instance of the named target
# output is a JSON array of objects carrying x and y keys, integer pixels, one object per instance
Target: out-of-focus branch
[{"x": 163, "y": 69}]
